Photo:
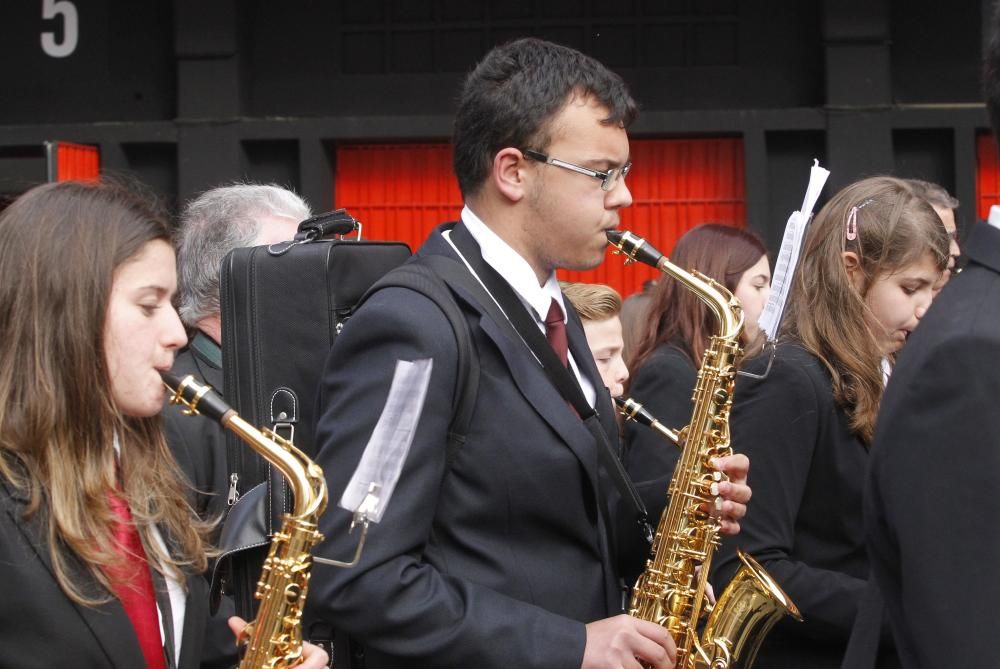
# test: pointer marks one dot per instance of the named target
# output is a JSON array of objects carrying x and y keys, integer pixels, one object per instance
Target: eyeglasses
[{"x": 608, "y": 179}]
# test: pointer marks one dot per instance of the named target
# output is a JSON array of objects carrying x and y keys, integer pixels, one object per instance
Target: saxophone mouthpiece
[
  {"x": 633, "y": 247},
  {"x": 197, "y": 398},
  {"x": 633, "y": 411},
  {"x": 172, "y": 381}
]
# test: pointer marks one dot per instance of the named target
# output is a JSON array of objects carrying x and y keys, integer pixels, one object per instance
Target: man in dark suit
[
  {"x": 212, "y": 225},
  {"x": 931, "y": 504},
  {"x": 501, "y": 553}
]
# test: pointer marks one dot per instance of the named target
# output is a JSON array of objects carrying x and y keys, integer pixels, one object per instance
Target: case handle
[{"x": 331, "y": 223}]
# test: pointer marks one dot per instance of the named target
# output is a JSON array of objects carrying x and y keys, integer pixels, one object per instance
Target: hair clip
[
  {"x": 852, "y": 224},
  {"x": 852, "y": 220}
]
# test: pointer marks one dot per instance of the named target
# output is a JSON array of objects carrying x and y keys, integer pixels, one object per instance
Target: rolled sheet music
[{"x": 788, "y": 255}]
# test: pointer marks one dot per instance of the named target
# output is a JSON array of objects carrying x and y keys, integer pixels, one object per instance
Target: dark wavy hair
[
  {"x": 676, "y": 315},
  {"x": 511, "y": 96}
]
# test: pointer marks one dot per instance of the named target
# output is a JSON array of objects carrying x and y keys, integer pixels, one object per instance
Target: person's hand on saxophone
[
  {"x": 735, "y": 492},
  {"x": 313, "y": 657}
]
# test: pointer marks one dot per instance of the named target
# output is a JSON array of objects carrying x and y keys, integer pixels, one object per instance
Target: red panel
[
  {"x": 77, "y": 161},
  {"x": 398, "y": 192},
  {"x": 402, "y": 191},
  {"x": 676, "y": 184},
  {"x": 987, "y": 175}
]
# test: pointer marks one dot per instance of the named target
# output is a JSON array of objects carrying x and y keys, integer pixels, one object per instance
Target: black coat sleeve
[
  {"x": 663, "y": 385},
  {"x": 396, "y": 601},
  {"x": 932, "y": 505}
]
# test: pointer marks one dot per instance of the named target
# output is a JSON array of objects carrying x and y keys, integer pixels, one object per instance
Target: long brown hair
[
  {"x": 894, "y": 228},
  {"x": 60, "y": 245},
  {"x": 676, "y": 315}
]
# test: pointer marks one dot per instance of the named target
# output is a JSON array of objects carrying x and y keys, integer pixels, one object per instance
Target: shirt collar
[
  {"x": 208, "y": 349},
  {"x": 994, "y": 218},
  {"x": 514, "y": 269},
  {"x": 886, "y": 370}
]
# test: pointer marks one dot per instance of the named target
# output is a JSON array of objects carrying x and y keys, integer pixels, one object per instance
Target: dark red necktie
[
  {"x": 131, "y": 580},
  {"x": 555, "y": 331}
]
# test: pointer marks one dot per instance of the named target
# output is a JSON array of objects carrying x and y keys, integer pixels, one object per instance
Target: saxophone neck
[
  {"x": 719, "y": 299},
  {"x": 304, "y": 477},
  {"x": 724, "y": 305}
]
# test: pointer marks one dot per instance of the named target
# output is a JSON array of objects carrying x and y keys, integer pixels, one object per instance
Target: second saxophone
[
  {"x": 671, "y": 591},
  {"x": 274, "y": 639}
]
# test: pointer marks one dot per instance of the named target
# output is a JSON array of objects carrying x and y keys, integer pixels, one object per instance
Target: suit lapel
[
  {"x": 580, "y": 349},
  {"x": 195, "y": 620},
  {"x": 525, "y": 370},
  {"x": 538, "y": 391},
  {"x": 108, "y": 622}
]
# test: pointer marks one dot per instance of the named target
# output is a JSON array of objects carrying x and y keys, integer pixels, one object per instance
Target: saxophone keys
[{"x": 293, "y": 593}]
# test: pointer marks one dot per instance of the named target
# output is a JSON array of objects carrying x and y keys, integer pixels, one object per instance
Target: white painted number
[{"x": 71, "y": 28}]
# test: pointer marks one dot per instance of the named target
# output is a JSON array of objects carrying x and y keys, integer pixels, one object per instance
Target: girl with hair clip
[
  {"x": 665, "y": 364},
  {"x": 100, "y": 552},
  {"x": 866, "y": 274}
]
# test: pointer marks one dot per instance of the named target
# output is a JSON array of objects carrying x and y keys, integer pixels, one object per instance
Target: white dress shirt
[{"x": 516, "y": 271}]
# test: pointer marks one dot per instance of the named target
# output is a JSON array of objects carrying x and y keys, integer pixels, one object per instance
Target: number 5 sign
[{"x": 52, "y": 9}]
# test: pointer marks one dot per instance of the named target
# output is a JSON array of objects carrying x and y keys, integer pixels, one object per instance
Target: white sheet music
[
  {"x": 380, "y": 466},
  {"x": 788, "y": 255}
]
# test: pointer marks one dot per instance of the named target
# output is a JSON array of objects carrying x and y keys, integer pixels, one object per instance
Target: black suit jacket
[
  {"x": 199, "y": 444},
  {"x": 663, "y": 385},
  {"x": 496, "y": 559},
  {"x": 931, "y": 503},
  {"x": 804, "y": 523},
  {"x": 40, "y": 627}
]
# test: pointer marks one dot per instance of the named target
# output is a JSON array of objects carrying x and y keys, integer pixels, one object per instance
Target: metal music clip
[
  {"x": 773, "y": 345},
  {"x": 362, "y": 516}
]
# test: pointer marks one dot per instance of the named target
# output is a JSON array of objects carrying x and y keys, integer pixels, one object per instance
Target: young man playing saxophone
[{"x": 504, "y": 555}]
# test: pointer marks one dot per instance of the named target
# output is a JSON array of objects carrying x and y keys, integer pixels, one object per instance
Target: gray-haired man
[{"x": 212, "y": 225}]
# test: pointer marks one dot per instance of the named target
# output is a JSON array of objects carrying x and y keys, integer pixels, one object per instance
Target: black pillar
[{"x": 858, "y": 89}]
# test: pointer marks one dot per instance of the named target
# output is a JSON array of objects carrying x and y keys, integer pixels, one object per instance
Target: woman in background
[{"x": 665, "y": 364}]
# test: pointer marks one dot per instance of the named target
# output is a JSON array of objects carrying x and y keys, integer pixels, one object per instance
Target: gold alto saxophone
[
  {"x": 274, "y": 639},
  {"x": 670, "y": 592}
]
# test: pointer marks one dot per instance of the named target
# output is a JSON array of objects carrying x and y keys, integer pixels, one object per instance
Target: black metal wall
[{"x": 188, "y": 94}]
